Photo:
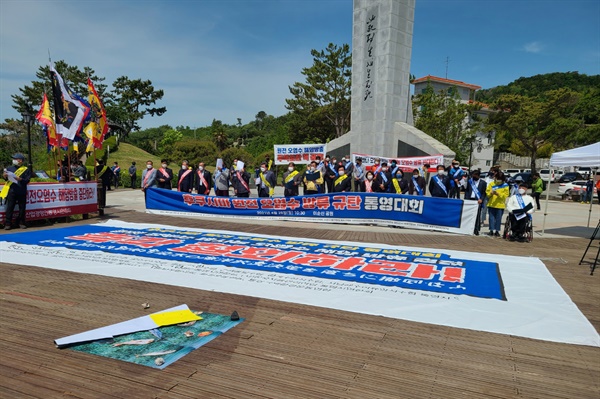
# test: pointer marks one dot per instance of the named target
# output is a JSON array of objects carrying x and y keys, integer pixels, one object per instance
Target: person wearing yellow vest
[
  {"x": 266, "y": 181},
  {"x": 14, "y": 192},
  {"x": 291, "y": 180},
  {"x": 343, "y": 183},
  {"x": 497, "y": 193},
  {"x": 313, "y": 180}
]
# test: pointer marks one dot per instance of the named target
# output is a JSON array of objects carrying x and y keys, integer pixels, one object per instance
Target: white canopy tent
[
  {"x": 582, "y": 156},
  {"x": 588, "y": 155}
]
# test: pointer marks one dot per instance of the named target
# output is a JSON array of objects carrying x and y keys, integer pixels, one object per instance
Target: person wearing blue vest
[
  {"x": 475, "y": 191},
  {"x": 497, "y": 192},
  {"x": 456, "y": 174},
  {"x": 520, "y": 207},
  {"x": 439, "y": 185}
]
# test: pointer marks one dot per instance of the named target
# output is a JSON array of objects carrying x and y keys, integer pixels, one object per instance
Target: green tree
[
  {"x": 219, "y": 134},
  {"x": 195, "y": 151},
  {"x": 327, "y": 88},
  {"x": 534, "y": 127},
  {"x": 170, "y": 137},
  {"x": 131, "y": 101},
  {"x": 445, "y": 118}
]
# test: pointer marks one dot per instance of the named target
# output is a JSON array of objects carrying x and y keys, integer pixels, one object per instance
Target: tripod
[{"x": 595, "y": 261}]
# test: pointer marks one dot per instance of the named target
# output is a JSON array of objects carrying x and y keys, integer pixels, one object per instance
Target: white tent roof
[{"x": 582, "y": 156}]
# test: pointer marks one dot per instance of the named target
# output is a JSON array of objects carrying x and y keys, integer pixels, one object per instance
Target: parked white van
[
  {"x": 511, "y": 172},
  {"x": 548, "y": 175}
]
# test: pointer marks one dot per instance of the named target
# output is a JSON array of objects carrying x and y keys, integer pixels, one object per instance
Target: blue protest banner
[{"x": 419, "y": 212}]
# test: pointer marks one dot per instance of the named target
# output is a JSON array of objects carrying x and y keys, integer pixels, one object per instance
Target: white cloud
[{"x": 533, "y": 47}]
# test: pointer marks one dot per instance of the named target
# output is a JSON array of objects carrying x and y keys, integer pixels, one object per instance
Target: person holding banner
[
  {"x": 266, "y": 181},
  {"x": 203, "y": 181},
  {"x": 14, "y": 192},
  {"x": 476, "y": 188},
  {"x": 358, "y": 175},
  {"x": 343, "y": 183},
  {"x": 291, "y": 180},
  {"x": 185, "y": 178},
  {"x": 383, "y": 179},
  {"x": 313, "y": 180},
  {"x": 399, "y": 185},
  {"x": 497, "y": 193},
  {"x": 221, "y": 179},
  {"x": 164, "y": 175},
  {"x": 240, "y": 180},
  {"x": 439, "y": 185},
  {"x": 416, "y": 185},
  {"x": 519, "y": 207},
  {"x": 149, "y": 177}
]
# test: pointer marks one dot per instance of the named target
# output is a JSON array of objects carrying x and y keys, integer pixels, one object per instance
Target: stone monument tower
[{"x": 382, "y": 122}]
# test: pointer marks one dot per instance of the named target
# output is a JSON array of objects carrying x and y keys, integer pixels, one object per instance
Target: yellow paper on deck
[{"x": 174, "y": 317}]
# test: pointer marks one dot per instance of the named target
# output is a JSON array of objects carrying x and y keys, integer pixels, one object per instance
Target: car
[
  {"x": 576, "y": 186},
  {"x": 558, "y": 173},
  {"x": 511, "y": 172},
  {"x": 585, "y": 171},
  {"x": 527, "y": 178},
  {"x": 547, "y": 175},
  {"x": 571, "y": 176}
]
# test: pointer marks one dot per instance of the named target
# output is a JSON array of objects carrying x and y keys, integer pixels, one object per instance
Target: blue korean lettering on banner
[
  {"x": 366, "y": 206},
  {"x": 387, "y": 266}
]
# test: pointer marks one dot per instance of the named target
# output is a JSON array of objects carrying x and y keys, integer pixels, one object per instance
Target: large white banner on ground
[
  {"x": 300, "y": 154},
  {"x": 407, "y": 164},
  {"x": 478, "y": 291}
]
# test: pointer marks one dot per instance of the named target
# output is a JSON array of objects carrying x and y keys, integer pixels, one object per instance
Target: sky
[{"x": 229, "y": 59}]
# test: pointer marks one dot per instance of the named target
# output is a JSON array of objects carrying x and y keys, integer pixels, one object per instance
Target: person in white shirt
[{"x": 519, "y": 206}]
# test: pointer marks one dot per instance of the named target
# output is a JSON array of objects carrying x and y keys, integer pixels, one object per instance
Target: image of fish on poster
[{"x": 160, "y": 347}]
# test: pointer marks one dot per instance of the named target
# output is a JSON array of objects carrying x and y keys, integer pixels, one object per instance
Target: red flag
[
  {"x": 44, "y": 116},
  {"x": 98, "y": 127}
]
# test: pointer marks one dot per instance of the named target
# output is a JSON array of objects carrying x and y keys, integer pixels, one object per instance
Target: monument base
[{"x": 404, "y": 141}]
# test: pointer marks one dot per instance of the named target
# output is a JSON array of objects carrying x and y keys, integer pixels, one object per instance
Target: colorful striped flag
[{"x": 44, "y": 116}]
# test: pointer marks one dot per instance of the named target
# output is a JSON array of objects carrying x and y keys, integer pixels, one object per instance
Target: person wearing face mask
[
  {"x": 399, "y": 185},
  {"x": 80, "y": 171},
  {"x": 383, "y": 179},
  {"x": 456, "y": 175},
  {"x": 368, "y": 184},
  {"x": 343, "y": 183},
  {"x": 475, "y": 191},
  {"x": 240, "y": 180},
  {"x": 497, "y": 193},
  {"x": 290, "y": 181},
  {"x": 348, "y": 165},
  {"x": 519, "y": 206},
  {"x": 376, "y": 167},
  {"x": 439, "y": 184},
  {"x": 488, "y": 179},
  {"x": 132, "y": 174},
  {"x": 14, "y": 191},
  {"x": 203, "y": 180},
  {"x": 416, "y": 185},
  {"x": 313, "y": 180},
  {"x": 358, "y": 175},
  {"x": 149, "y": 177},
  {"x": 164, "y": 175},
  {"x": 266, "y": 181},
  {"x": 222, "y": 177},
  {"x": 185, "y": 178},
  {"x": 331, "y": 173}
]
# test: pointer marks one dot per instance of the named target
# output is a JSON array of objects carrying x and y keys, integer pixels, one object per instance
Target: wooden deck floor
[{"x": 285, "y": 350}]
